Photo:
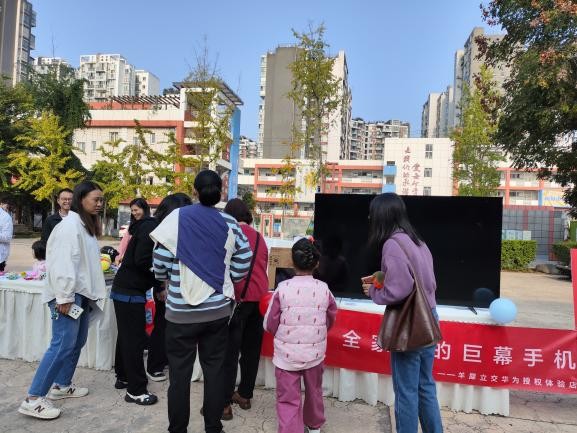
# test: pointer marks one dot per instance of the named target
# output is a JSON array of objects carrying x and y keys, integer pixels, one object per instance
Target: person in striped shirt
[{"x": 201, "y": 252}]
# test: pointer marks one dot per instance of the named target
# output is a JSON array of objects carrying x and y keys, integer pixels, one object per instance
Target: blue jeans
[
  {"x": 68, "y": 338},
  {"x": 415, "y": 391}
]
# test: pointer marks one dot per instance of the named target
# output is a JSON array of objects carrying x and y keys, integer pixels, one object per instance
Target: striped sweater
[{"x": 201, "y": 251}]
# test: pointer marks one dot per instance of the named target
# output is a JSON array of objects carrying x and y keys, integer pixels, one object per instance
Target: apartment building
[
  {"x": 146, "y": 83},
  {"x": 248, "y": 148},
  {"x": 17, "y": 19},
  {"x": 436, "y": 114},
  {"x": 44, "y": 65},
  {"x": 278, "y": 115},
  {"x": 367, "y": 139},
  {"x": 115, "y": 120}
]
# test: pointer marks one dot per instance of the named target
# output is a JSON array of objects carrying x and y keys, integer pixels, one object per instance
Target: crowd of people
[{"x": 207, "y": 270}]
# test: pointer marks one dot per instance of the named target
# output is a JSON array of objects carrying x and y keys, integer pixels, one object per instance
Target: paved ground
[{"x": 542, "y": 300}]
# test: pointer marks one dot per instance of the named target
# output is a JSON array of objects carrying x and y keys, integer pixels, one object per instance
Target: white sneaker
[
  {"x": 314, "y": 430},
  {"x": 39, "y": 408},
  {"x": 67, "y": 392}
]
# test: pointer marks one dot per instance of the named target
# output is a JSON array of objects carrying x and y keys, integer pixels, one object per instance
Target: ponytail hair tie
[{"x": 311, "y": 239}]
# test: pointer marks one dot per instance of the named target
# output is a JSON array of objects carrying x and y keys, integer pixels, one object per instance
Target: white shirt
[
  {"x": 73, "y": 263},
  {"x": 6, "y": 229}
]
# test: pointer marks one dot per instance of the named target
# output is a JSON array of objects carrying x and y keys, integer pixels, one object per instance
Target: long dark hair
[
  {"x": 142, "y": 204},
  {"x": 91, "y": 222},
  {"x": 388, "y": 214},
  {"x": 170, "y": 203}
]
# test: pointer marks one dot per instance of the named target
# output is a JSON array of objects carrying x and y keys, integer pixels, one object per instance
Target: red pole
[{"x": 574, "y": 279}]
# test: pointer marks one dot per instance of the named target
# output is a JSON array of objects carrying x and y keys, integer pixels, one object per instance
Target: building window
[
  {"x": 135, "y": 140},
  {"x": 150, "y": 180},
  {"x": 80, "y": 146},
  {"x": 113, "y": 136},
  {"x": 515, "y": 175},
  {"x": 429, "y": 151},
  {"x": 390, "y": 163},
  {"x": 94, "y": 146},
  {"x": 428, "y": 172},
  {"x": 426, "y": 190},
  {"x": 152, "y": 138}
]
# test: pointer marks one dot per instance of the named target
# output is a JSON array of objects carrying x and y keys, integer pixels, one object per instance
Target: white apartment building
[
  {"x": 336, "y": 141},
  {"x": 248, "y": 148},
  {"x": 146, "y": 83},
  {"x": 44, "y": 65},
  {"x": 436, "y": 114},
  {"x": 17, "y": 19}
]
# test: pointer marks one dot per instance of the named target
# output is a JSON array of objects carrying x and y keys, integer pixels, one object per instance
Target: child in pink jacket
[{"x": 300, "y": 313}]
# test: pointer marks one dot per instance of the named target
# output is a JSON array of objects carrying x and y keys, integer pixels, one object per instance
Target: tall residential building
[
  {"x": 367, "y": 139},
  {"x": 278, "y": 115},
  {"x": 107, "y": 75},
  {"x": 467, "y": 65},
  {"x": 17, "y": 18},
  {"x": 436, "y": 114},
  {"x": 44, "y": 65},
  {"x": 248, "y": 148},
  {"x": 147, "y": 84}
]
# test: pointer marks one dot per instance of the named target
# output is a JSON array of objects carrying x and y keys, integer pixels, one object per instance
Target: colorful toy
[
  {"x": 379, "y": 280},
  {"x": 105, "y": 262}
]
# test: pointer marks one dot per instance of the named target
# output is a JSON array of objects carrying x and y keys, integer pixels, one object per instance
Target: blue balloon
[{"x": 503, "y": 310}]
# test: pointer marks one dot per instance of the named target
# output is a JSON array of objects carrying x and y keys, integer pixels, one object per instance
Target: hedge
[
  {"x": 516, "y": 255},
  {"x": 562, "y": 251}
]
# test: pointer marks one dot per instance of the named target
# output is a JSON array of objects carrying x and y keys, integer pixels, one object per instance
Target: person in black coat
[
  {"x": 133, "y": 279},
  {"x": 64, "y": 200}
]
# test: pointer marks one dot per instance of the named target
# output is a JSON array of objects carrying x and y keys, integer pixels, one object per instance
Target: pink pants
[{"x": 292, "y": 414}]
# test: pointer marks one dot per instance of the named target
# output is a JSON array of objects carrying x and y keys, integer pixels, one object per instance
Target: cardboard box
[{"x": 278, "y": 257}]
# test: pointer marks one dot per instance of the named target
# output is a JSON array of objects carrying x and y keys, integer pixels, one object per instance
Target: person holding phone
[{"x": 73, "y": 278}]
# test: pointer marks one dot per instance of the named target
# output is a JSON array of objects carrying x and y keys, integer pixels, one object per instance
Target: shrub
[
  {"x": 562, "y": 251},
  {"x": 516, "y": 255}
]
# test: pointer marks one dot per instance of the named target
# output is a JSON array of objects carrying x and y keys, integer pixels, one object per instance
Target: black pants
[
  {"x": 129, "y": 364},
  {"x": 181, "y": 343},
  {"x": 245, "y": 337},
  {"x": 156, "y": 343},
  {"x": 2, "y": 266}
]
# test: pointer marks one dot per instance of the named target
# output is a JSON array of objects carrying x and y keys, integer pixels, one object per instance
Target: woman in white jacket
[{"x": 73, "y": 276}]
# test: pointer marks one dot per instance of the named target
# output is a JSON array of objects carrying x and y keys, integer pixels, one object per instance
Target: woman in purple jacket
[{"x": 391, "y": 233}]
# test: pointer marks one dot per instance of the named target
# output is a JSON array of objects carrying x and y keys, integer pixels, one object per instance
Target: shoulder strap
[{"x": 247, "y": 280}]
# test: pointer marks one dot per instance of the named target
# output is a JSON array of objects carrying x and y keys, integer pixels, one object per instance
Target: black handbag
[{"x": 409, "y": 325}]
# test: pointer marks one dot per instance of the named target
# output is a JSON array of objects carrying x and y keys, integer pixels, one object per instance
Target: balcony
[{"x": 390, "y": 170}]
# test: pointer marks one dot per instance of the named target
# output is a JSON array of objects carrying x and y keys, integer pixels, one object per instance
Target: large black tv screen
[{"x": 463, "y": 234}]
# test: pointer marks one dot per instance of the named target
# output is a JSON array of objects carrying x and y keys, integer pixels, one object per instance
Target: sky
[{"x": 397, "y": 51}]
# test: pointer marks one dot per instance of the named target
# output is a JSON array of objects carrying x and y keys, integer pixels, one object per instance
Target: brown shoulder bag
[{"x": 409, "y": 325}]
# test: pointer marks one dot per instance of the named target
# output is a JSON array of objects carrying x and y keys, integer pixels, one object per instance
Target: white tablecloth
[
  {"x": 25, "y": 332},
  {"x": 26, "y": 329}
]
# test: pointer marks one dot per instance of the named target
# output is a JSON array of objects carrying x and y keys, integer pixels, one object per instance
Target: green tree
[
  {"x": 316, "y": 93},
  {"x": 16, "y": 107},
  {"x": 124, "y": 169},
  {"x": 539, "y": 111},
  {"x": 248, "y": 198},
  {"x": 475, "y": 156},
  {"x": 41, "y": 163}
]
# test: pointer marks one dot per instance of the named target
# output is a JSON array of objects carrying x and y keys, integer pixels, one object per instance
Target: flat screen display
[{"x": 463, "y": 234}]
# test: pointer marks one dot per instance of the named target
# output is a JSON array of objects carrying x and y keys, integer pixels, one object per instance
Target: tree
[
  {"x": 248, "y": 198},
  {"x": 124, "y": 169},
  {"x": 316, "y": 93},
  {"x": 476, "y": 157},
  {"x": 41, "y": 163},
  {"x": 539, "y": 111},
  {"x": 16, "y": 107}
]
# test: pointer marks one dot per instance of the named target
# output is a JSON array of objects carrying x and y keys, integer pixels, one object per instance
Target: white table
[{"x": 26, "y": 329}]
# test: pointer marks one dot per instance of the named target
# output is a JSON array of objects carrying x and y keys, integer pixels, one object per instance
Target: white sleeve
[
  {"x": 62, "y": 264},
  {"x": 6, "y": 228}
]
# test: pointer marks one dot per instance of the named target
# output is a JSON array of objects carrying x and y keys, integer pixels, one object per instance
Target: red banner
[{"x": 472, "y": 354}]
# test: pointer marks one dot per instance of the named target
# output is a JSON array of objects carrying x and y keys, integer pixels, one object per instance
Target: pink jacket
[{"x": 300, "y": 313}]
